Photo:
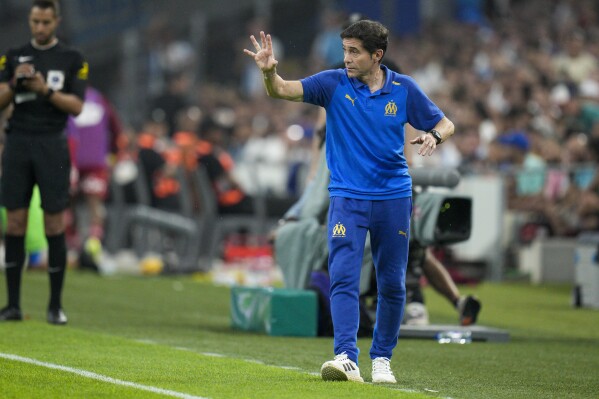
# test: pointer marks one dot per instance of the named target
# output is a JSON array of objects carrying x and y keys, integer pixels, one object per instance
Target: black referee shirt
[{"x": 64, "y": 70}]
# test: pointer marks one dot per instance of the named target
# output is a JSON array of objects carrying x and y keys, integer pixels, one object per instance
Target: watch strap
[{"x": 436, "y": 135}]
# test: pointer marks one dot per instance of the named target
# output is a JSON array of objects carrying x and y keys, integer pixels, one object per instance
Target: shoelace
[
  {"x": 382, "y": 365},
  {"x": 341, "y": 357}
]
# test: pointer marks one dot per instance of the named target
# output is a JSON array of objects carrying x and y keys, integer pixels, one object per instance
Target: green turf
[{"x": 158, "y": 332}]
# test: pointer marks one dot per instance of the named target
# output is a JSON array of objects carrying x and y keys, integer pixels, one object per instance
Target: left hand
[
  {"x": 428, "y": 144},
  {"x": 36, "y": 83}
]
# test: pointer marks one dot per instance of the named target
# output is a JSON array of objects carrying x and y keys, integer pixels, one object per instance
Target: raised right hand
[{"x": 264, "y": 56}]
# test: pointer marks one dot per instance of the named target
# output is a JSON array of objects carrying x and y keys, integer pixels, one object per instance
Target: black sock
[
  {"x": 14, "y": 259},
  {"x": 57, "y": 262}
]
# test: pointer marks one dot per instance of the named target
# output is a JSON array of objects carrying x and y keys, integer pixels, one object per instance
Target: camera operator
[{"x": 45, "y": 81}]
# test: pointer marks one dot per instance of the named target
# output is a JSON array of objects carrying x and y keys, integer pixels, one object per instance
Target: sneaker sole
[
  {"x": 57, "y": 323},
  {"x": 331, "y": 373},
  {"x": 393, "y": 381}
]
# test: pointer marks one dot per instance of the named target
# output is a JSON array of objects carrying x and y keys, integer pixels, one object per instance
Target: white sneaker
[
  {"x": 381, "y": 371},
  {"x": 415, "y": 314},
  {"x": 341, "y": 368}
]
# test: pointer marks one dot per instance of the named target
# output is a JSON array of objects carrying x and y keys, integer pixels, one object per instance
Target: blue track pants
[{"x": 389, "y": 224}]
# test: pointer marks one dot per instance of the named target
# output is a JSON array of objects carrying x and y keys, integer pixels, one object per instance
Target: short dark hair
[
  {"x": 44, "y": 4},
  {"x": 373, "y": 35}
]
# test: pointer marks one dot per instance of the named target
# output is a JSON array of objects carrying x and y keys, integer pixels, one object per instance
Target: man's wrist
[
  {"x": 436, "y": 135},
  {"x": 269, "y": 74},
  {"x": 49, "y": 93}
]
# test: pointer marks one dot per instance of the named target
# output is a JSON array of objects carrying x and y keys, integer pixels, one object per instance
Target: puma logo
[
  {"x": 350, "y": 99},
  {"x": 403, "y": 233}
]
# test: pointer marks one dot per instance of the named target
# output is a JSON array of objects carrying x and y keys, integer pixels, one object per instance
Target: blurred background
[{"x": 519, "y": 78}]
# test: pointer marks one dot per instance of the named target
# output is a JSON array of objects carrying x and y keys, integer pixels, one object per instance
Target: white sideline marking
[
  {"x": 291, "y": 368},
  {"x": 99, "y": 377},
  {"x": 211, "y": 354}
]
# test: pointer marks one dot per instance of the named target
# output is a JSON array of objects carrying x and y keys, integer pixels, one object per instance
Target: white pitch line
[
  {"x": 291, "y": 368},
  {"x": 99, "y": 377}
]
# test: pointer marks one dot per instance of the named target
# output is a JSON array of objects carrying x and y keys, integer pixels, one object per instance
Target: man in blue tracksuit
[{"x": 367, "y": 106}]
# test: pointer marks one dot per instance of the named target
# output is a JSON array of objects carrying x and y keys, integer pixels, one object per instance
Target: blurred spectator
[
  {"x": 158, "y": 160},
  {"x": 575, "y": 63},
  {"x": 231, "y": 196},
  {"x": 262, "y": 167},
  {"x": 168, "y": 104},
  {"x": 95, "y": 135},
  {"x": 219, "y": 166},
  {"x": 168, "y": 54},
  {"x": 422, "y": 262},
  {"x": 468, "y": 145},
  {"x": 589, "y": 88},
  {"x": 579, "y": 116},
  {"x": 327, "y": 49},
  {"x": 576, "y": 150},
  {"x": 241, "y": 134},
  {"x": 526, "y": 170}
]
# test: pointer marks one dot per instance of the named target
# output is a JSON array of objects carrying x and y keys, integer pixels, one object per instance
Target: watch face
[{"x": 436, "y": 135}]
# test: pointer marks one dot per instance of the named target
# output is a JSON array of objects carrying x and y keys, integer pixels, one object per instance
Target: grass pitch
[{"x": 171, "y": 337}]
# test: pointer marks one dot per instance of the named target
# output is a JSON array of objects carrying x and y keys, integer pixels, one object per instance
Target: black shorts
[{"x": 36, "y": 159}]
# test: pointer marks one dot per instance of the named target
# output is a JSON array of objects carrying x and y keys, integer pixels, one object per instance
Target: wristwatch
[{"x": 436, "y": 135}]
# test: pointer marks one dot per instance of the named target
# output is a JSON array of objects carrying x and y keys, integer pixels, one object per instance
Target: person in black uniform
[{"x": 45, "y": 81}]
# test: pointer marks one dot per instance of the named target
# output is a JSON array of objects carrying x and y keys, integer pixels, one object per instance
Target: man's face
[
  {"x": 43, "y": 23},
  {"x": 358, "y": 61}
]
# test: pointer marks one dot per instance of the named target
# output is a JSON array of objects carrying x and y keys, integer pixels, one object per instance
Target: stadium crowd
[{"x": 522, "y": 90}]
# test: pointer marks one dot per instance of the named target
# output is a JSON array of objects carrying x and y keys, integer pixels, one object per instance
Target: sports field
[{"x": 134, "y": 337}]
